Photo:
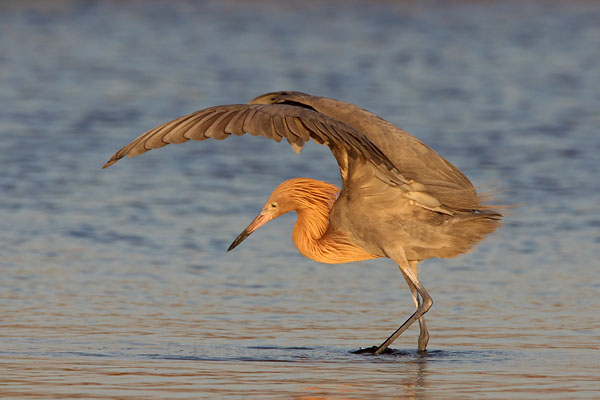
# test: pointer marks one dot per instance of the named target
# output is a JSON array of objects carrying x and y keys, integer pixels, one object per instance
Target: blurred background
[{"x": 115, "y": 283}]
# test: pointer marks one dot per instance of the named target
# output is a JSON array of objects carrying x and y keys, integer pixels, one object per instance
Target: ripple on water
[{"x": 116, "y": 283}]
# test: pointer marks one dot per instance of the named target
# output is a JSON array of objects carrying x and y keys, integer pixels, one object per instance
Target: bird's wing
[
  {"x": 429, "y": 173},
  {"x": 274, "y": 121}
]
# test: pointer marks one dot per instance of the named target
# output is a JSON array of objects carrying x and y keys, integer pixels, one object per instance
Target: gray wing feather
[
  {"x": 274, "y": 121},
  {"x": 418, "y": 164}
]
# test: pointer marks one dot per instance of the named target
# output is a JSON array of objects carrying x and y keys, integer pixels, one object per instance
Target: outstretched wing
[
  {"x": 274, "y": 121},
  {"x": 429, "y": 173}
]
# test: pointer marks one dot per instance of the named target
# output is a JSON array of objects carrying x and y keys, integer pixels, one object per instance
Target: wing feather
[
  {"x": 236, "y": 124},
  {"x": 196, "y": 130},
  {"x": 274, "y": 121},
  {"x": 297, "y": 129},
  {"x": 415, "y": 161},
  {"x": 216, "y": 130},
  {"x": 274, "y": 134},
  {"x": 170, "y": 132},
  {"x": 173, "y": 133}
]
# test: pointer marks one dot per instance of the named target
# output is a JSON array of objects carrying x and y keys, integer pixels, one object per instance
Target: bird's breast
[{"x": 333, "y": 249}]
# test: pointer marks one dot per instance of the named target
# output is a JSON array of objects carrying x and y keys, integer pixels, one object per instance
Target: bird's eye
[{"x": 273, "y": 205}]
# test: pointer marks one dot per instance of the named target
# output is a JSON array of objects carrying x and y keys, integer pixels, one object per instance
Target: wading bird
[{"x": 399, "y": 199}]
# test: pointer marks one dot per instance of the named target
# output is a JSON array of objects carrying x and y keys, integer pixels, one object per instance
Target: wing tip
[{"x": 110, "y": 162}]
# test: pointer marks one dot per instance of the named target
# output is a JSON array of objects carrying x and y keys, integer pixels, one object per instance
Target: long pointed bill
[{"x": 259, "y": 221}]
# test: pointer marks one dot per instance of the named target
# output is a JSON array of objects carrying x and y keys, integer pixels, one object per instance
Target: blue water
[{"x": 116, "y": 283}]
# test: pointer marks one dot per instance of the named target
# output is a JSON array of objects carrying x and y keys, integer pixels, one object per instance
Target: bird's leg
[
  {"x": 423, "y": 332},
  {"x": 409, "y": 275}
]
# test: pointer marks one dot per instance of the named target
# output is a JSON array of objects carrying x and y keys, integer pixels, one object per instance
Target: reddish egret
[{"x": 399, "y": 198}]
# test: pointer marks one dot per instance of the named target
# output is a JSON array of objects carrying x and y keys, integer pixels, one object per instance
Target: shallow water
[{"x": 116, "y": 283}]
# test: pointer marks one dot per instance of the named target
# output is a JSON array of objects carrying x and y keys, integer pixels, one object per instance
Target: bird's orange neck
[{"x": 312, "y": 234}]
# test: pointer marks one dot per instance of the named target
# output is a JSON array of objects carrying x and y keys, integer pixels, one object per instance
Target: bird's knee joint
[{"x": 427, "y": 303}]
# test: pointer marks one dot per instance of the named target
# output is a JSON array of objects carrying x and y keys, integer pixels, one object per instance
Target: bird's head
[{"x": 277, "y": 204}]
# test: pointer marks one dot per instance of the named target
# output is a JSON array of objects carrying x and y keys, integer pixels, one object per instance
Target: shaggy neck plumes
[{"x": 312, "y": 235}]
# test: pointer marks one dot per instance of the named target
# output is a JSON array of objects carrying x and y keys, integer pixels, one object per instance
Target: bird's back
[
  {"x": 376, "y": 213},
  {"x": 413, "y": 158}
]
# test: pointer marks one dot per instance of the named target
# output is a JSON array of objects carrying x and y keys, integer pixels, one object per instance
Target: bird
[{"x": 399, "y": 198}]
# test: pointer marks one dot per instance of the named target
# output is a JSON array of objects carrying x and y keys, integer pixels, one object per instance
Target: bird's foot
[{"x": 372, "y": 350}]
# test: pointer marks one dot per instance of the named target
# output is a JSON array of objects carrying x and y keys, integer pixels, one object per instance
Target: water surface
[{"x": 116, "y": 283}]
